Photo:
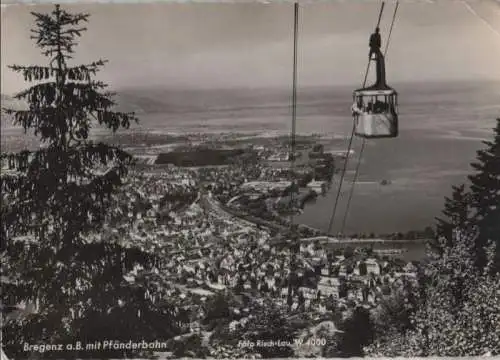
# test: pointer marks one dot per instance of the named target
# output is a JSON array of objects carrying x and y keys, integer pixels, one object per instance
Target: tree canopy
[
  {"x": 55, "y": 197},
  {"x": 458, "y": 307}
]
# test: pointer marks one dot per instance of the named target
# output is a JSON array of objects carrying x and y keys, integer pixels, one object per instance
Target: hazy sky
[{"x": 250, "y": 44}]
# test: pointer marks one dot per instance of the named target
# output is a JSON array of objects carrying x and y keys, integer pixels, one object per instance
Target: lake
[{"x": 441, "y": 127}]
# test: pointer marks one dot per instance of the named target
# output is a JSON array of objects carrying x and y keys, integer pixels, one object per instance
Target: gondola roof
[{"x": 376, "y": 90}]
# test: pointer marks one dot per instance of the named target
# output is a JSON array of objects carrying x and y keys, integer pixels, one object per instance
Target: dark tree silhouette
[
  {"x": 457, "y": 213},
  {"x": 357, "y": 331},
  {"x": 458, "y": 304},
  {"x": 485, "y": 196},
  {"x": 54, "y": 197},
  {"x": 475, "y": 209}
]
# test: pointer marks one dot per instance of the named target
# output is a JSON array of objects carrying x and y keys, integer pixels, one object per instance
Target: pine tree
[
  {"x": 457, "y": 212},
  {"x": 478, "y": 207},
  {"x": 459, "y": 308},
  {"x": 54, "y": 197},
  {"x": 485, "y": 191}
]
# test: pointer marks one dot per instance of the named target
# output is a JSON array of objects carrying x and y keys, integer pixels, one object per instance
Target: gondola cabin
[{"x": 375, "y": 113}]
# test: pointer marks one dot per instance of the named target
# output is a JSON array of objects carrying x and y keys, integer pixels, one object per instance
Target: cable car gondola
[
  {"x": 375, "y": 111},
  {"x": 375, "y": 108}
]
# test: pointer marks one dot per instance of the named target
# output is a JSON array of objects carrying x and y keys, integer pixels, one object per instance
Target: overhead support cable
[{"x": 294, "y": 109}]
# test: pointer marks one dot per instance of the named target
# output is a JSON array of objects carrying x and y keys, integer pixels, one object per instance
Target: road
[{"x": 209, "y": 203}]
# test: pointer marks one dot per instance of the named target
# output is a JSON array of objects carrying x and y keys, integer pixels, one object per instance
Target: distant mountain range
[{"x": 154, "y": 104}]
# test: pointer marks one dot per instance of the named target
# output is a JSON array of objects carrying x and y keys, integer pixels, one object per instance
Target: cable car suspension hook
[
  {"x": 356, "y": 173},
  {"x": 337, "y": 197}
]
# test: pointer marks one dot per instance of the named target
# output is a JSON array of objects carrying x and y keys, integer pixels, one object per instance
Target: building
[
  {"x": 328, "y": 286},
  {"x": 264, "y": 186},
  {"x": 372, "y": 267},
  {"x": 319, "y": 187}
]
